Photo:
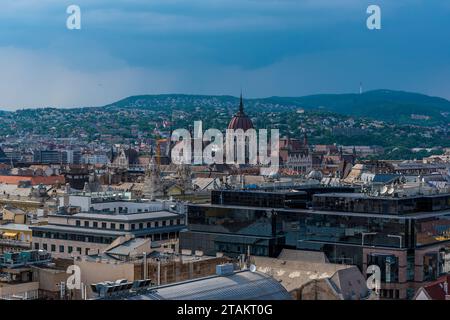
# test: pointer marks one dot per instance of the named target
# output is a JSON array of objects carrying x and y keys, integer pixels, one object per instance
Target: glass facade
[
  {"x": 430, "y": 266},
  {"x": 261, "y": 199},
  {"x": 388, "y": 264},
  {"x": 236, "y": 231},
  {"x": 408, "y": 238},
  {"x": 247, "y": 222},
  {"x": 299, "y": 226},
  {"x": 434, "y": 229},
  {"x": 359, "y": 202},
  {"x": 304, "y": 229},
  {"x": 370, "y": 231}
]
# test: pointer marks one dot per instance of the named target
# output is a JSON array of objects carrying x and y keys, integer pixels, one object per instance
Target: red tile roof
[
  {"x": 436, "y": 290},
  {"x": 35, "y": 180}
]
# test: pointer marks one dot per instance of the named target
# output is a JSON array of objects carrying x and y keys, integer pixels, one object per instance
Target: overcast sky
[{"x": 265, "y": 47}]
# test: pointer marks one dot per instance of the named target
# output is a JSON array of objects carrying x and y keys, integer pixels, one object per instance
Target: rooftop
[
  {"x": 243, "y": 285},
  {"x": 127, "y": 217},
  {"x": 15, "y": 226},
  {"x": 306, "y": 266},
  {"x": 417, "y": 215},
  {"x": 383, "y": 197},
  {"x": 128, "y": 247},
  {"x": 437, "y": 290}
]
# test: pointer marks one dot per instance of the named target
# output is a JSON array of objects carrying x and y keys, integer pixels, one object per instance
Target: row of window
[
  {"x": 62, "y": 249},
  {"x": 134, "y": 226},
  {"x": 72, "y": 237},
  {"x": 390, "y": 293}
]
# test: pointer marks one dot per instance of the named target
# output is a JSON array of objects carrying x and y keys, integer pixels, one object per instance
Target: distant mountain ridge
[{"x": 387, "y": 105}]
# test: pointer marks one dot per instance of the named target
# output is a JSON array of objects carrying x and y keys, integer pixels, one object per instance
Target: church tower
[
  {"x": 185, "y": 178},
  {"x": 152, "y": 180}
]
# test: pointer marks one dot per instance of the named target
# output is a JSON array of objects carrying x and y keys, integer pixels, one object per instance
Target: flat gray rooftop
[
  {"x": 125, "y": 217},
  {"x": 244, "y": 285}
]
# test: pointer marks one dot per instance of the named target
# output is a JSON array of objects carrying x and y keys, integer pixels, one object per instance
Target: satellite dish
[
  {"x": 384, "y": 190},
  {"x": 252, "y": 268}
]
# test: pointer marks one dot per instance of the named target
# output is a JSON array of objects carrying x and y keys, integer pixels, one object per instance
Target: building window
[
  {"x": 122, "y": 226},
  {"x": 79, "y": 250},
  {"x": 430, "y": 266},
  {"x": 149, "y": 225},
  {"x": 178, "y": 221},
  {"x": 141, "y": 226},
  {"x": 388, "y": 264},
  {"x": 78, "y": 223},
  {"x": 133, "y": 226},
  {"x": 95, "y": 224},
  {"x": 171, "y": 222},
  {"x": 53, "y": 248},
  {"x": 164, "y": 223},
  {"x": 86, "y": 251},
  {"x": 44, "y": 246},
  {"x": 86, "y": 224},
  {"x": 61, "y": 248},
  {"x": 36, "y": 246},
  {"x": 156, "y": 224},
  {"x": 113, "y": 225},
  {"x": 69, "y": 249},
  {"x": 103, "y": 225}
]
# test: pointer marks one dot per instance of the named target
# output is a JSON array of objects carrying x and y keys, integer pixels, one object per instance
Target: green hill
[{"x": 394, "y": 106}]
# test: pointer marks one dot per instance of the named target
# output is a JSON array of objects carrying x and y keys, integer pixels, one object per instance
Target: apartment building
[{"x": 89, "y": 223}]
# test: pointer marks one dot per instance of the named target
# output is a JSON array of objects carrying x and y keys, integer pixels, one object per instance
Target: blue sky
[{"x": 265, "y": 47}]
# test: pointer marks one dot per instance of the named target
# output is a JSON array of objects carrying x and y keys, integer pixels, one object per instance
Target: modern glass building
[{"x": 408, "y": 238}]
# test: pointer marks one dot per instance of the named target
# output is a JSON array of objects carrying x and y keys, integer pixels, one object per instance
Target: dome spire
[
  {"x": 240, "y": 120},
  {"x": 241, "y": 104}
]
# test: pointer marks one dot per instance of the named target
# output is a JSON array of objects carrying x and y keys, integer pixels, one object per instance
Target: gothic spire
[{"x": 241, "y": 104}]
